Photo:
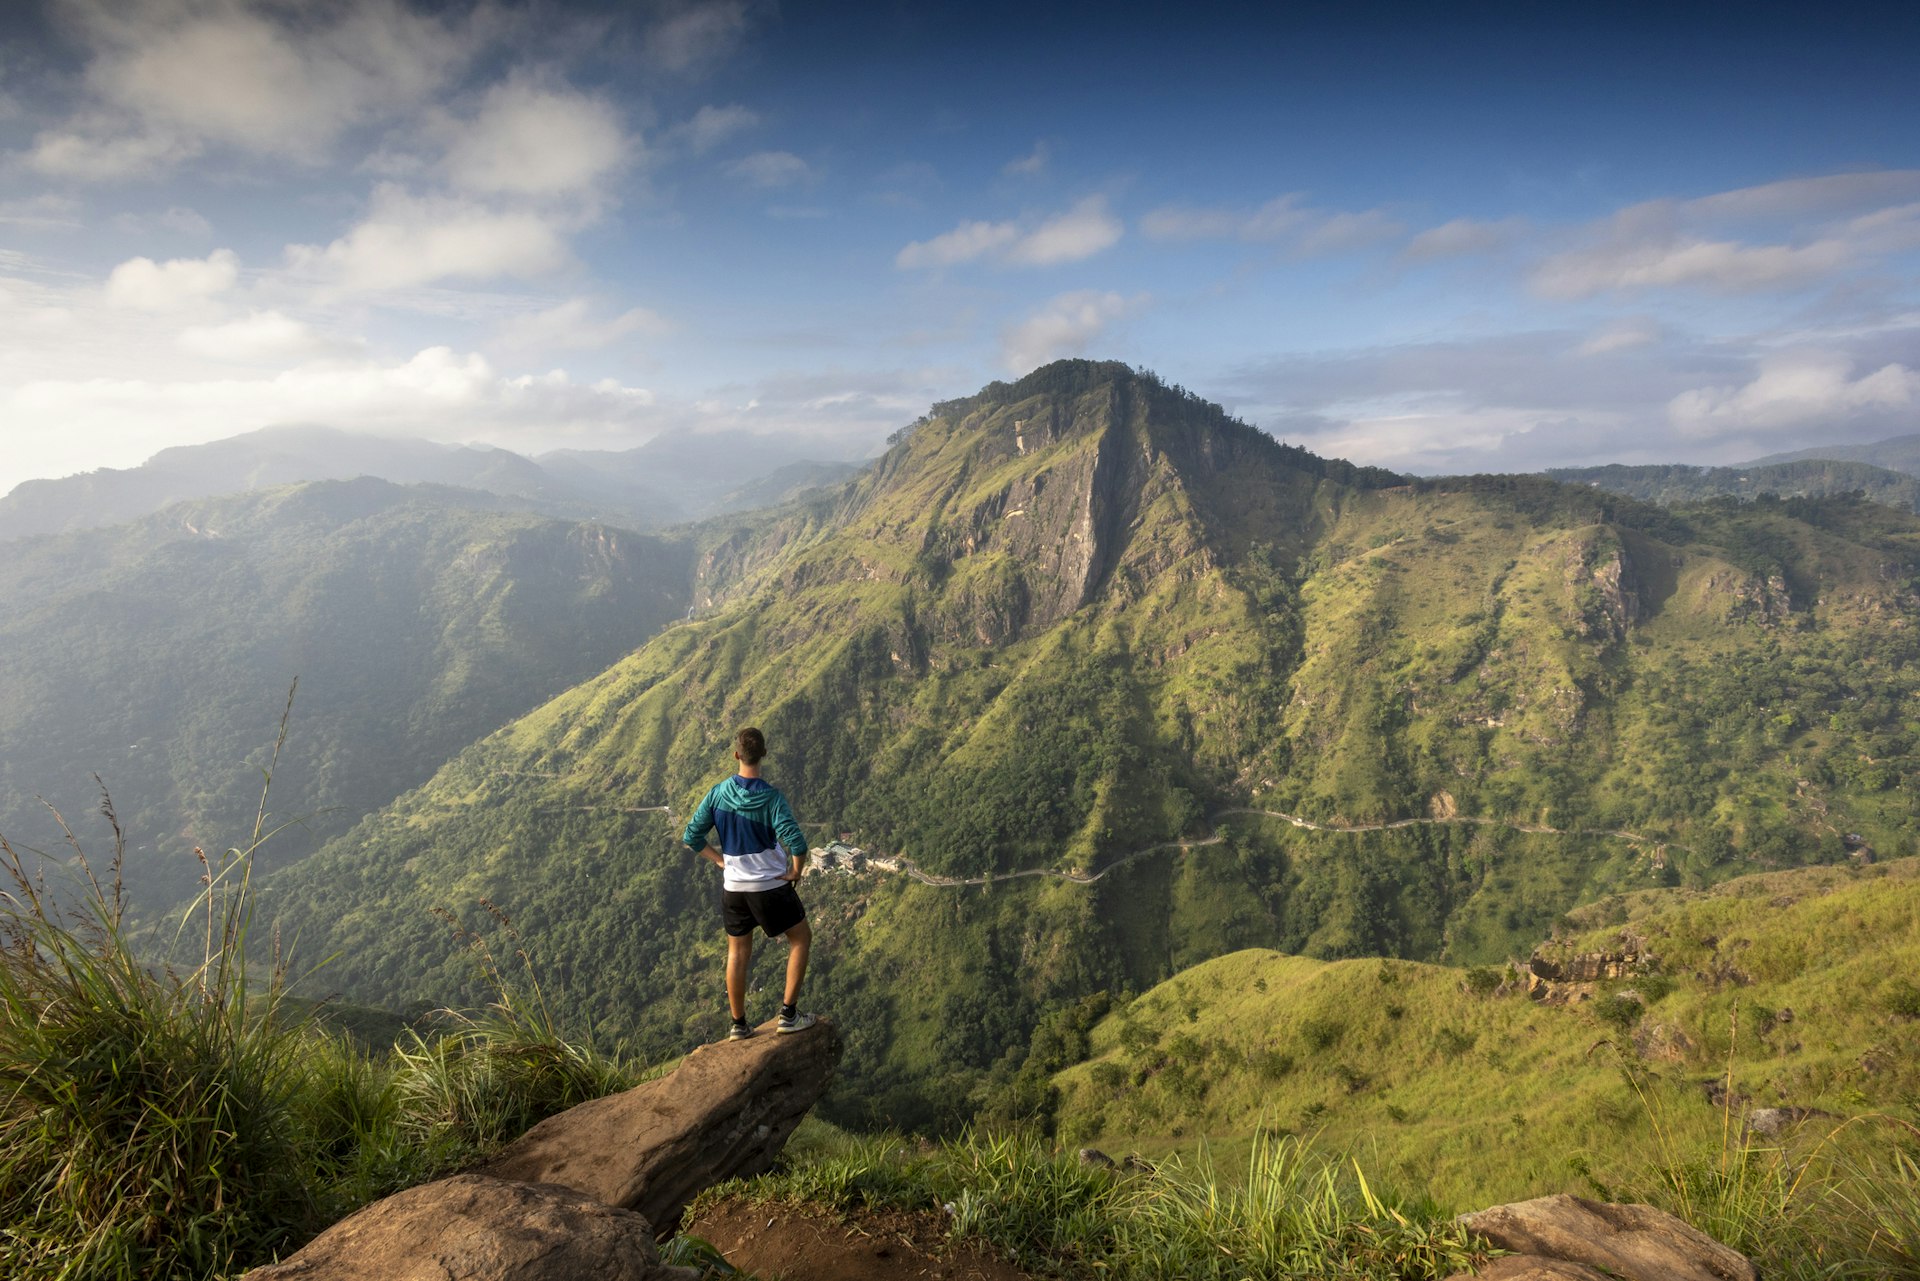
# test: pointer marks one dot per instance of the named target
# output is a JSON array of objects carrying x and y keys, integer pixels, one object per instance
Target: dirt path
[{"x": 815, "y": 1244}]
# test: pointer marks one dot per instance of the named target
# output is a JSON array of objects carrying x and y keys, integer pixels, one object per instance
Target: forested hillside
[
  {"x": 158, "y": 655},
  {"x": 1814, "y": 477},
  {"x": 1088, "y": 615}
]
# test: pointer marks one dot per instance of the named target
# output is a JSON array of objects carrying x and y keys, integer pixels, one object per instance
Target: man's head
[{"x": 749, "y": 745}]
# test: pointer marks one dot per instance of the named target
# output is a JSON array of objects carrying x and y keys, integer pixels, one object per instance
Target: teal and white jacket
[{"x": 758, "y": 832}]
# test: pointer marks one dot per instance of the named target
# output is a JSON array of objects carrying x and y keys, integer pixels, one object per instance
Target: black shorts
[{"x": 774, "y": 911}]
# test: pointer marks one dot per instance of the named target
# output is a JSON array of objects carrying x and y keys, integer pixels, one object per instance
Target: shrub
[
  {"x": 1321, "y": 1034},
  {"x": 1622, "y": 1009},
  {"x": 1902, "y": 998},
  {"x": 1482, "y": 980}
]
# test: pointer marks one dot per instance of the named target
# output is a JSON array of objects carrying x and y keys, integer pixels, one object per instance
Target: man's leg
[
  {"x": 799, "y": 941},
  {"x": 739, "y": 962}
]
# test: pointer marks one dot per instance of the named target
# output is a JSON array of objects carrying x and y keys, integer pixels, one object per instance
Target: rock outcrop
[
  {"x": 470, "y": 1228},
  {"x": 724, "y": 1113},
  {"x": 1630, "y": 1242},
  {"x": 1567, "y": 980},
  {"x": 582, "y": 1195}
]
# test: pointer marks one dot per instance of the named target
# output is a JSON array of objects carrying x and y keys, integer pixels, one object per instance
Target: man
[{"x": 763, "y": 852}]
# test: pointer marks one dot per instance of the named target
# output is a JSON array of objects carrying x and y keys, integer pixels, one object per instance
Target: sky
[{"x": 1435, "y": 237}]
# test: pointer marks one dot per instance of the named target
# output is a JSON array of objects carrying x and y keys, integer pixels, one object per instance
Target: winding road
[{"x": 839, "y": 857}]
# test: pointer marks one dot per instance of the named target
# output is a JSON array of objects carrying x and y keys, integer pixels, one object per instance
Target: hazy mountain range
[{"x": 668, "y": 481}]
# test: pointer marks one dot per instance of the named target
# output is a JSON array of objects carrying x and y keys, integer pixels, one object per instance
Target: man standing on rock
[{"x": 763, "y": 852}]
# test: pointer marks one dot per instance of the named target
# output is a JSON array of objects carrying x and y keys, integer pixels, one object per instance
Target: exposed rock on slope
[
  {"x": 1634, "y": 1242},
  {"x": 560, "y": 1204},
  {"x": 725, "y": 1112},
  {"x": 471, "y": 1226}
]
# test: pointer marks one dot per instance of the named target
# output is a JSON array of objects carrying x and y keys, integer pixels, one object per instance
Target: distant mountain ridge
[
  {"x": 158, "y": 655},
  {"x": 670, "y": 480},
  {"x": 1896, "y": 453},
  {"x": 1086, "y": 614},
  {"x": 1815, "y": 476}
]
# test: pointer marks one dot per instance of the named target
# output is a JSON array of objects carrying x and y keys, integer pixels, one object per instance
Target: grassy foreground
[{"x": 189, "y": 1120}]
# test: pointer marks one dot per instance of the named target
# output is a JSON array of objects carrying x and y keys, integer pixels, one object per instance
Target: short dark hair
[{"x": 751, "y": 744}]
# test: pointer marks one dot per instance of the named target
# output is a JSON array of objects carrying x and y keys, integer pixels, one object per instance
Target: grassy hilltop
[
  {"x": 1793, "y": 987},
  {"x": 1086, "y": 614}
]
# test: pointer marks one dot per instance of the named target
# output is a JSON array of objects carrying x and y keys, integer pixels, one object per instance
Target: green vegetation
[
  {"x": 1773, "y": 990},
  {"x": 1290, "y": 1213},
  {"x": 1084, "y": 615},
  {"x": 1817, "y": 477},
  {"x": 416, "y": 620},
  {"x": 186, "y": 1121}
]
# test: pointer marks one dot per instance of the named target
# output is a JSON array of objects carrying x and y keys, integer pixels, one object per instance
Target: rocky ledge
[{"x": 583, "y": 1195}]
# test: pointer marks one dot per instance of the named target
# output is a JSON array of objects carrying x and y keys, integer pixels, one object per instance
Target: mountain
[
  {"x": 668, "y": 481},
  {"x": 158, "y": 655},
  {"x": 1146, "y": 687},
  {"x": 264, "y": 459},
  {"x": 1791, "y": 988},
  {"x": 1811, "y": 477},
  {"x": 1897, "y": 453}
]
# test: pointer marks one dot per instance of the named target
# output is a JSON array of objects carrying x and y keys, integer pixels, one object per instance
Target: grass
[
  {"x": 187, "y": 1119},
  {"x": 1290, "y": 1213}
]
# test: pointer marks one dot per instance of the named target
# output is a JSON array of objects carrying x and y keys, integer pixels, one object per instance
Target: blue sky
[{"x": 1436, "y": 237}]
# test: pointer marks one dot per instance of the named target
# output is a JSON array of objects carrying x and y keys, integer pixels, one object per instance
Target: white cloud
[
  {"x": 410, "y": 240},
  {"x": 771, "y": 169},
  {"x": 44, "y": 212},
  {"x": 1719, "y": 265},
  {"x": 1621, "y": 336},
  {"x": 1081, "y": 232},
  {"x": 438, "y": 392},
  {"x": 1799, "y": 197},
  {"x": 188, "y": 222},
  {"x": 1065, "y": 326},
  {"x": 697, "y": 35},
  {"x": 964, "y": 243},
  {"x": 168, "y": 76},
  {"x": 89, "y": 153},
  {"x": 1311, "y": 231},
  {"x": 259, "y": 336},
  {"x": 144, "y": 285},
  {"x": 1462, "y": 236},
  {"x": 711, "y": 126},
  {"x": 529, "y": 139},
  {"x": 576, "y": 325},
  {"x": 1031, "y": 164},
  {"x": 1795, "y": 389}
]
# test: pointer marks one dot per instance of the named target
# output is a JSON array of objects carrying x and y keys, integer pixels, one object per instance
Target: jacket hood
[{"x": 750, "y": 796}]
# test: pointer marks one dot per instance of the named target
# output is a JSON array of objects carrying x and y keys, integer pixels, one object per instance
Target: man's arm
[
  {"x": 787, "y": 828},
  {"x": 695, "y": 837}
]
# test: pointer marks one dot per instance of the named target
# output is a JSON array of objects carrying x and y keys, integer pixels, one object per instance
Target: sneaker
[
  {"x": 740, "y": 1031},
  {"x": 796, "y": 1021}
]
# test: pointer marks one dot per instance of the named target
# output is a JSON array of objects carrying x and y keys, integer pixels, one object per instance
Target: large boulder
[
  {"x": 1632, "y": 1242},
  {"x": 474, "y": 1228},
  {"x": 724, "y": 1113}
]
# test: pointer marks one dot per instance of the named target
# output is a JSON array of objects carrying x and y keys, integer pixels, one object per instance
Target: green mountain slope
[
  {"x": 158, "y": 656},
  {"x": 1801, "y": 981},
  {"x": 1816, "y": 476},
  {"x": 1087, "y": 615},
  {"x": 1897, "y": 453}
]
